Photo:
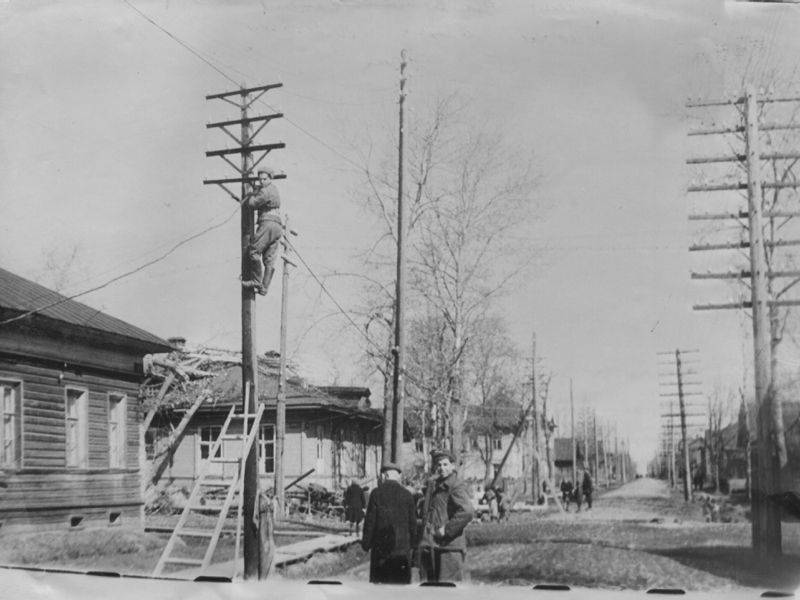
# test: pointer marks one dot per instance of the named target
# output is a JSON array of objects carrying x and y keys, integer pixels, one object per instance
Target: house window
[
  {"x": 497, "y": 443},
  {"x": 267, "y": 450},
  {"x": 77, "y": 415},
  {"x": 116, "y": 431},
  {"x": 11, "y": 417},
  {"x": 320, "y": 431},
  {"x": 209, "y": 435}
]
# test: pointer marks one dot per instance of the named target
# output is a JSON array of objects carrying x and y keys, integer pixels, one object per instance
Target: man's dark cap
[
  {"x": 390, "y": 466},
  {"x": 437, "y": 454}
]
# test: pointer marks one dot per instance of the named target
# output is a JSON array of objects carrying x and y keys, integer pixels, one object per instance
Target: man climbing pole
[{"x": 263, "y": 248}]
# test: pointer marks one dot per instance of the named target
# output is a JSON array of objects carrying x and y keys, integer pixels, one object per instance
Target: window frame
[
  {"x": 206, "y": 445},
  {"x": 19, "y": 436},
  {"x": 121, "y": 437},
  {"x": 83, "y": 428},
  {"x": 263, "y": 444}
]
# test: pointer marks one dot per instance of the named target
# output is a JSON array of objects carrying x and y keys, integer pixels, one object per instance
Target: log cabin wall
[{"x": 40, "y": 489}]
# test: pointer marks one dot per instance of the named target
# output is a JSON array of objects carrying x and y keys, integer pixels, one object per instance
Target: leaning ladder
[{"x": 250, "y": 425}]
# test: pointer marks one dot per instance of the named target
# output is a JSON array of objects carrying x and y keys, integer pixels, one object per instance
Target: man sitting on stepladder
[{"x": 263, "y": 248}]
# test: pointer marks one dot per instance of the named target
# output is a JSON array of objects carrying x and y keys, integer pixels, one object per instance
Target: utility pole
[
  {"x": 585, "y": 437},
  {"x": 535, "y": 463},
  {"x": 280, "y": 409},
  {"x": 399, "y": 332},
  {"x": 686, "y": 467},
  {"x": 572, "y": 432},
  {"x": 245, "y": 149},
  {"x": 677, "y": 385},
  {"x": 596, "y": 448},
  {"x": 770, "y": 444}
]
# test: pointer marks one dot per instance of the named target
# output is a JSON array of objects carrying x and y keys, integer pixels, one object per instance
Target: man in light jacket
[{"x": 446, "y": 512}]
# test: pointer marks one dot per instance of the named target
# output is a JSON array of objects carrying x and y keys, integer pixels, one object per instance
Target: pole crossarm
[
  {"x": 740, "y": 129},
  {"x": 239, "y": 179},
  {"x": 709, "y": 103},
  {"x": 740, "y": 100},
  {"x": 740, "y": 245},
  {"x": 244, "y": 91},
  {"x": 741, "y": 158},
  {"x": 775, "y": 214},
  {"x": 744, "y": 304},
  {"x": 245, "y": 121},
  {"x": 743, "y": 275},
  {"x": 246, "y": 149},
  {"x": 716, "y": 159}
]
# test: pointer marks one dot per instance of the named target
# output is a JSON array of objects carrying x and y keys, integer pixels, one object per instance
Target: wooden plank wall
[
  {"x": 43, "y": 486},
  {"x": 300, "y": 453}
]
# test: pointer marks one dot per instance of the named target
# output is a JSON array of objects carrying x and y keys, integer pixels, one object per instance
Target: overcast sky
[{"x": 103, "y": 141}]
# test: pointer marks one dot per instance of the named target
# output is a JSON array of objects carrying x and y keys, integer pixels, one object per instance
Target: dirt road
[{"x": 641, "y": 488}]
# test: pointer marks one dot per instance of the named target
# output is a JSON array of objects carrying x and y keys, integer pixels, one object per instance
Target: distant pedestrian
[
  {"x": 390, "y": 529},
  {"x": 446, "y": 512},
  {"x": 566, "y": 492},
  {"x": 491, "y": 501},
  {"x": 263, "y": 248},
  {"x": 577, "y": 495},
  {"x": 587, "y": 488},
  {"x": 354, "y": 503},
  {"x": 502, "y": 505}
]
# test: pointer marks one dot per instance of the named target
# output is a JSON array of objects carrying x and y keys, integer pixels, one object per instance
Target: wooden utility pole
[
  {"x": 770, "y": 447},
  {"x": 399, "y": 331},
  {"x": 585, "y": 437},
  {"x": 247, "y": 96},
  {"x": 535, "y": 463},
  {"x": 596, "y": 448},
  {"x": 687, "y": 494},
  {"x": 766, "y": 514},
  {"x": 280, "y": 408},
  {"x": 572, "y": 432}
]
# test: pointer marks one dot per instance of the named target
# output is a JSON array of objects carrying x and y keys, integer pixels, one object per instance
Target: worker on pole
[{"x": 263, "y": 248}]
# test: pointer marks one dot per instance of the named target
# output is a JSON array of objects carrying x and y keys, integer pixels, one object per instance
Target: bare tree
[{"x": 469, "y": 197}]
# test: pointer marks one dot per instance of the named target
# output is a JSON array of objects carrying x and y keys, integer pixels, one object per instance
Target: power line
[
  {"x": 182, "y": 43},
  {"x": 197, "y": 53},
  {"x": 122, "y": 276}
]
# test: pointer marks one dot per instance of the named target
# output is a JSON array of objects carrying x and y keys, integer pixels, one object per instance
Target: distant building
[
  {"x": 70, "y": 411},
  {"x": 331, "y": 431}
]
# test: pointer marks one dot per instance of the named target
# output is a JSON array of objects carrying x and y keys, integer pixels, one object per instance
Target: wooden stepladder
[{"x": 197, "y": 509}]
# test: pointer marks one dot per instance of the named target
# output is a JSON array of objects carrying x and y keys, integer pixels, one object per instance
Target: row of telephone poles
[{"x": 764, "y": 301}]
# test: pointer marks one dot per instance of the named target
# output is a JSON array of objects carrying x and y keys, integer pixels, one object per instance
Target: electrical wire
[
  {"x": 123, "y": 275},
  {"x": 197, "y": 54}
]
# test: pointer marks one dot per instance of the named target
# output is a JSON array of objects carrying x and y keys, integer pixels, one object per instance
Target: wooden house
[
  {"x": 69, "y": 409},
  {"x": 333, "y": 432}
]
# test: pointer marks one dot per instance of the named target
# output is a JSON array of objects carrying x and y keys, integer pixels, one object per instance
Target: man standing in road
[
  {"x": 263, "y": 248},
  {"x": 446, "y": 511},
  {"x": 390, "y": 529}
]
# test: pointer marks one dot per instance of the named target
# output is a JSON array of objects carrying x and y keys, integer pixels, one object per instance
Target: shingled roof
[{"x": 19, "y": 296}]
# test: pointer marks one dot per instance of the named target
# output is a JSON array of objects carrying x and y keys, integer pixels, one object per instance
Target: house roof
[
  {"x": 223, "y": 388},
  {"x": 20, "y": 295},
  {"x": 562, "y": 449}
]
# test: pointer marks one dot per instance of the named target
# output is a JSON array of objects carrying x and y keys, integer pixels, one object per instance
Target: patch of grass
[
  {"x": 584, "y": 566},
  {"x": 63, "y": 547},
  {"x": 326, "y": 564}
]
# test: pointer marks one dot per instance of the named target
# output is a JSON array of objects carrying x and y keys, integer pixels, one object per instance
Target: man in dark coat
[
  {"x": 390, "y": 529},
  {"x": 446, "y": 512},
  {"x": 587, "y": 487},
  {"x": 354, "y": 502}
]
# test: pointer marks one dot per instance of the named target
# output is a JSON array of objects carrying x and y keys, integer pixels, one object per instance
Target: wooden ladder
[{"x": 232, "y": 485}]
